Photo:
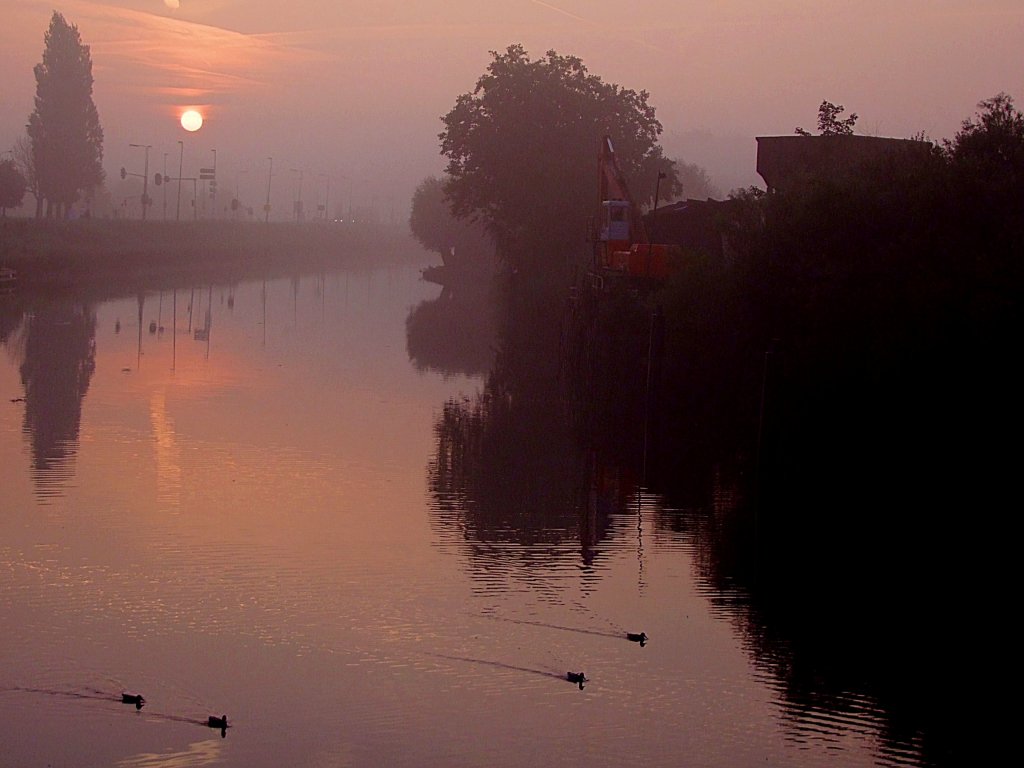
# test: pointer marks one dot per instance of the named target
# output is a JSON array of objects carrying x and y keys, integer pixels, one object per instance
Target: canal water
[{"x": 265, "y": 501}]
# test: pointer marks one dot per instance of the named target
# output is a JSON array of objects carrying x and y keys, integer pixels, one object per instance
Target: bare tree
[{"x": 27, "y": 165}]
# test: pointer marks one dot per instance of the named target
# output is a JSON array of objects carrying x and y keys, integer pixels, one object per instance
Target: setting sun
[{"x": 191, "y": 120}]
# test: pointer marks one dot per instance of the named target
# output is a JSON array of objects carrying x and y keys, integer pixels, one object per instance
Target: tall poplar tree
[{"x": 64, "y": 127}]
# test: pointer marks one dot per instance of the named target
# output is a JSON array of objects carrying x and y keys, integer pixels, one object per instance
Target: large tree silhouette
[
  {"x": 522, "y": 154},
  {"x": 67, "y": 140}
]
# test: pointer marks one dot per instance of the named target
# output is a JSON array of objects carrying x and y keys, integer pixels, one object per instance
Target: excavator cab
[
  {"x": 622, "y": 245},
  {"x": 615, "y": 221},
  {"x": 614, "y": 235}
]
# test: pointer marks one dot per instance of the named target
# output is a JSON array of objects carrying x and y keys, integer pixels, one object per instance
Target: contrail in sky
[
  {"x": 562, "y": 11},
  {"x": 639, "y": 40}
]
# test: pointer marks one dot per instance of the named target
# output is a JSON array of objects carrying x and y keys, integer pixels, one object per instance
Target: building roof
[{"x": 783, "y": 159}]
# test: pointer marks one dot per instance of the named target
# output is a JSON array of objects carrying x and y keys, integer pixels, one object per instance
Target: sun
[{"x": 191, "y": 120}]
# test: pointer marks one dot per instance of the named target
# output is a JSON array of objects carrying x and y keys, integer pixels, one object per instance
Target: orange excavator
[{"x": 621, "y": 245}]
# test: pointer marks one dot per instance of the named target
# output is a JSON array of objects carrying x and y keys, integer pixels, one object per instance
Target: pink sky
[{"x": 355, "y": 90}]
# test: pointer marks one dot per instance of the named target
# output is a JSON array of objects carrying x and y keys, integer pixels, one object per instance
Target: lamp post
[
  {"x": 165, "y": 186},
  {"x": 298, "y": 202},
  {"x": 181, "y": 157},
  {"x": 236, "y": 204},
  {"x": 270, "y": 175},
  {"x": 145, "y": 178},
  {"x": 327, "y": 197},
  {"x": 213, "y": 184},
  {"x": 344, "y": 178}
]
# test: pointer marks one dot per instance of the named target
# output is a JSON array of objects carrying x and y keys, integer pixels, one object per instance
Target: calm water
[{"x": 263, "y": 508}]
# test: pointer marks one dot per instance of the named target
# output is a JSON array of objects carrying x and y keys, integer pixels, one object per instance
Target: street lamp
[
  {"x": 181, "y": 157},
  {"x": 236, "y": 203},
  {"x": 165, "y": 186},
  {"x": 145, "y": 178},
  {"x": 327, "y": 197},
  {"x": 270, "y": 175},
  {"x": 349, "y": 185},
  {"x": 213, "y": 184},
  {"x": 298, "y": 202}
]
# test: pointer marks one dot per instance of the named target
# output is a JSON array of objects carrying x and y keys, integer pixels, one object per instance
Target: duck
[
  {"x": 576, "y": 677},
  {"x": 217, "y": 722},
  {"x": 637, "y": 637},
  {"x": 133, "y": 698}
]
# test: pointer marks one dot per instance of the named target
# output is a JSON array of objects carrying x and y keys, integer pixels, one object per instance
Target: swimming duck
[
  {"x": 576, "y": 677},
  {"x": 637, "y": 638},
  {"x": 217, "y": 722},
  {"x": 133, "y": 698}
]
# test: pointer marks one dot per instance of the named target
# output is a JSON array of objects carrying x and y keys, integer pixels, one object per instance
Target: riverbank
[{"x": 87, "y": 254}]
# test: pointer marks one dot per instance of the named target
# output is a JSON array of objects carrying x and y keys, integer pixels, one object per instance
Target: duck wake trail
[
  {"x": 501, "y": 665},
  {"x": 579, "y": 630}
]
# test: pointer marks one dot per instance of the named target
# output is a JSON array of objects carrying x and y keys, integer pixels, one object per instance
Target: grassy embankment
[{"x": 103, "y": 254}]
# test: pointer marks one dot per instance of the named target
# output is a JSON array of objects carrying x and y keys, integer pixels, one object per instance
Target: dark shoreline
[{"x": 105, "y": 257}]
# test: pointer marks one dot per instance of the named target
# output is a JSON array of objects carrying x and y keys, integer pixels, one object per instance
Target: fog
[{"x": 350, "y": 94}]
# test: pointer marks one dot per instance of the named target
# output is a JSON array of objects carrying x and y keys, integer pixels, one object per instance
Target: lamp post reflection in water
[
  {"x": 203, "y": 334},
  {"x": 138, "y": 353}
]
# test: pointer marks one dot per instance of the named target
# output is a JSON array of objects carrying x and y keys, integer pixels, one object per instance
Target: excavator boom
[
  {"x": 622, "y": 245},
  {"x": 612, "y": 186}
]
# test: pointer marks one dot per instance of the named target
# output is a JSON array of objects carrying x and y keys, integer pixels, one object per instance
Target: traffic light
[
  {"x": 124, "y": 173},
  {"x": 158, "y": 179}
]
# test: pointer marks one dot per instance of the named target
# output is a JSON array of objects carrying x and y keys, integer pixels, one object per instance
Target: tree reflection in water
[
  {"x": 454, "y": 333},
  {"x": 56, "y": 345},
  {"x": 847, "y": 639},
  {"x": 508, "y": 469}
]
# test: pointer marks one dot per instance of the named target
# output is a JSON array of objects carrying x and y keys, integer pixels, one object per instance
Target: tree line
[
  {"x": 858, "y": 325},
  {"x": 856, "y": 344}
]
